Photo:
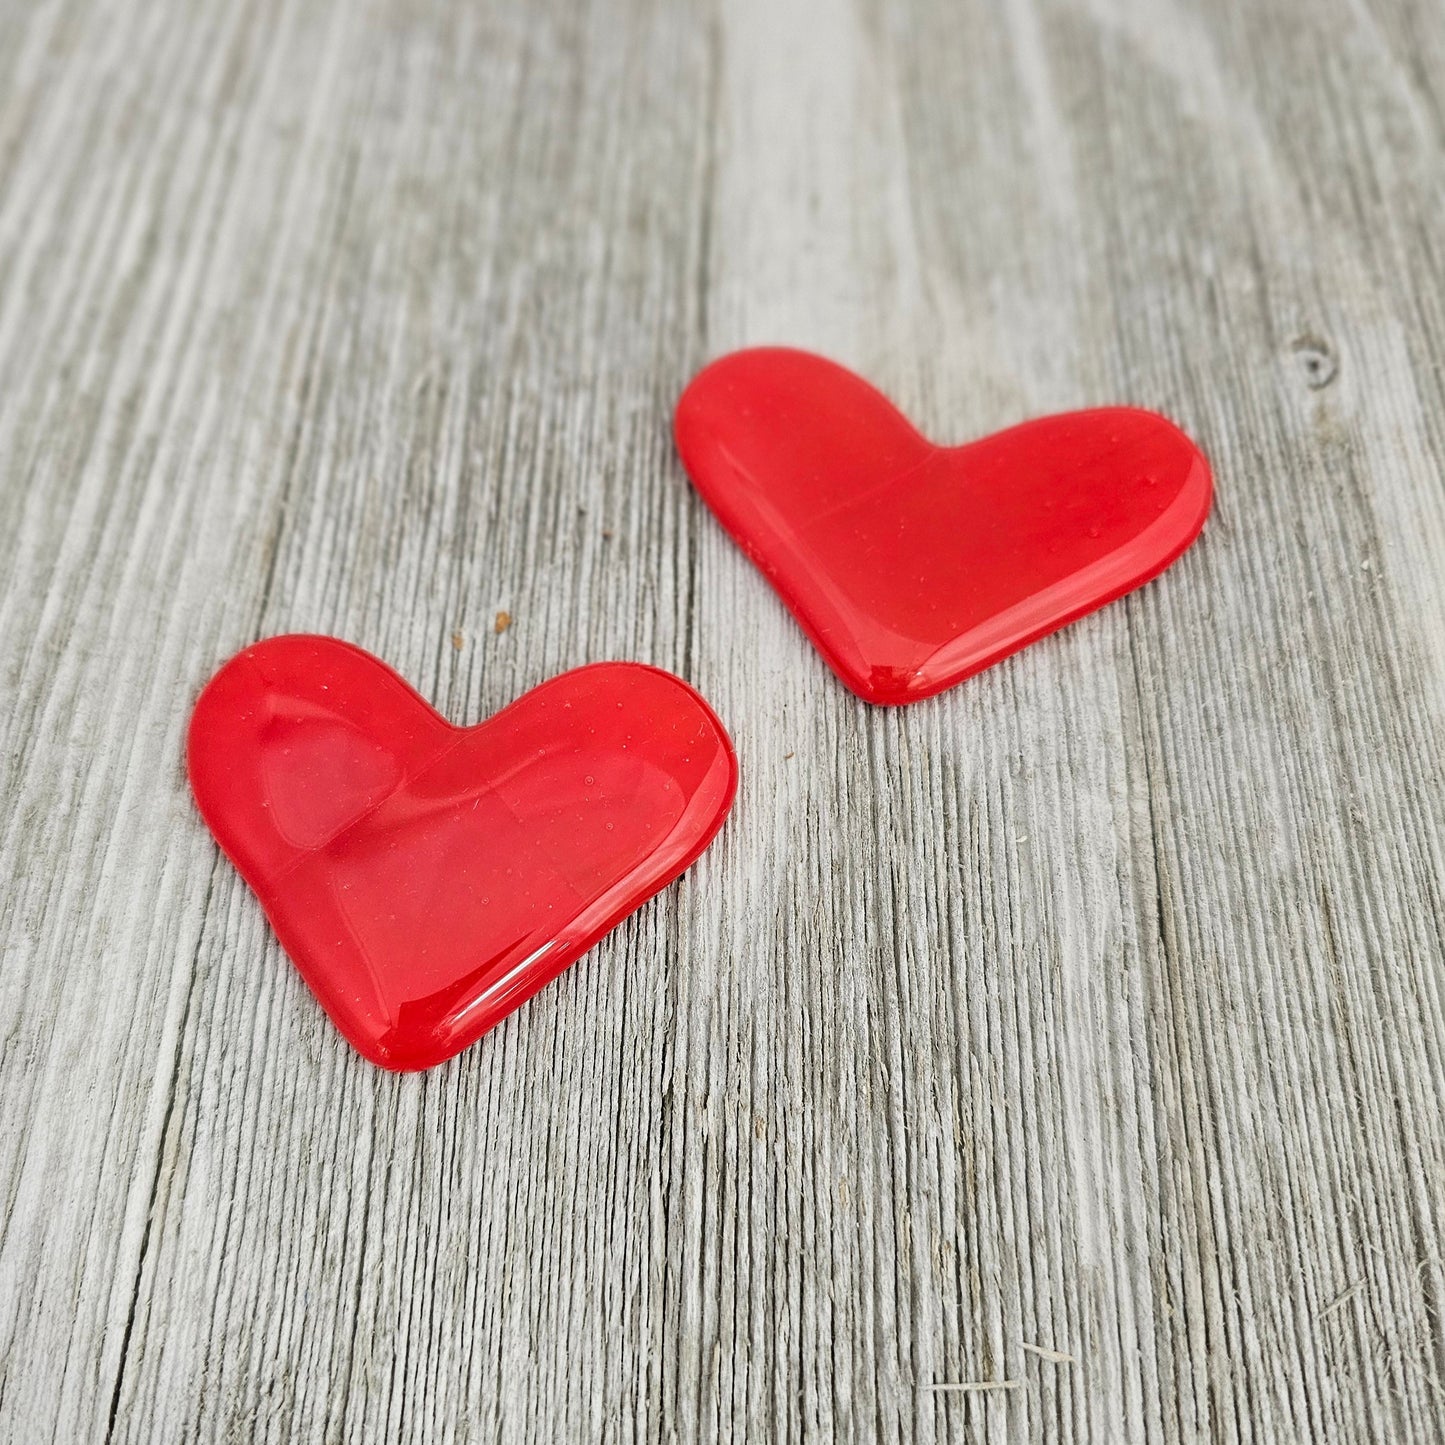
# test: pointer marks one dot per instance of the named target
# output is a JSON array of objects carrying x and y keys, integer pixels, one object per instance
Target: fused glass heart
[
  {"x": 911, "y": 565},
  {"x": 427, "y": 879}
]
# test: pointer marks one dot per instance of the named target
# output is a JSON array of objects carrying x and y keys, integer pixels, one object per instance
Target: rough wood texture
[{"x": 1080, "y": 1033}]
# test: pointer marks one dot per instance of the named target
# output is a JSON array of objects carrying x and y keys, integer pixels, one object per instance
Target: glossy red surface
[
  {"x": 427, "y": 879},
  {"x": 910, "y": 565}
]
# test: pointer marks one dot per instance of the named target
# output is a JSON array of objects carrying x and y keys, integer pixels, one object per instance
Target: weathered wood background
[{"x": 1079, "y": 1034}]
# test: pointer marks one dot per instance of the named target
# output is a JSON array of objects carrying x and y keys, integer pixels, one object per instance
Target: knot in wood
[{"x": 1317, "y": 361}]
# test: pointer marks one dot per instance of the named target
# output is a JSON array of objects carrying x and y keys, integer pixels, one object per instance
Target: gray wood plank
[{"x": 1079, "y": 1033}]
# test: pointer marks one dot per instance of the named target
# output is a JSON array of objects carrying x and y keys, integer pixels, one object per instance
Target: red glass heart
[
  {"x": 910, "y": 565},
  {"x": 427, "y": 879}
]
